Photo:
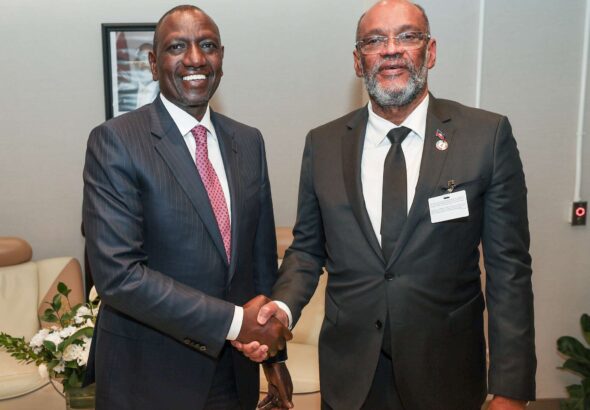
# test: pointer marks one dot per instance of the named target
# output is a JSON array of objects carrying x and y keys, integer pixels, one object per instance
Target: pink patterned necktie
[{"x": 213, "y": 187}]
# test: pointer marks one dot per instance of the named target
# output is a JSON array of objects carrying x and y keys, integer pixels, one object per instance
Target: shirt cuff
[
  {"x": 236, "y": 323},
  {"x": 284, "y": 307}
]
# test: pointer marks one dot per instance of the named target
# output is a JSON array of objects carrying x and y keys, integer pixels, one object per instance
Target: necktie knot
[
  {"x": 397, "y": 135},
  {"x": 200, "y": 134}
]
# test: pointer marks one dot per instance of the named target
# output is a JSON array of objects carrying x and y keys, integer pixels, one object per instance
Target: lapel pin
[{"x": 442, "y": 143}]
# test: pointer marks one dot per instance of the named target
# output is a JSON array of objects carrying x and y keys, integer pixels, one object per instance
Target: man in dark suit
[
  {"x": 180, "y": 233},
  {"x": 394, "y": 201}
]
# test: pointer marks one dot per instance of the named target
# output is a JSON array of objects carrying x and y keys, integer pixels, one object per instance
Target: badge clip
[{"x": 450, "y": 185}]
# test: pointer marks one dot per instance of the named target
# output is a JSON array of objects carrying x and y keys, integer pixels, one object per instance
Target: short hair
[
  {"x": 419, "y": 7},
  {"x": 182, "y": 7}
]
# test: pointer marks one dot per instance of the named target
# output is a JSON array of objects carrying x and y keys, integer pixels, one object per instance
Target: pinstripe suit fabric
[{"x": 159, "y": 263}]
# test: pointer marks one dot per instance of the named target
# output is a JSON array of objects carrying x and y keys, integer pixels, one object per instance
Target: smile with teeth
[{"x": 194, "y": 77}]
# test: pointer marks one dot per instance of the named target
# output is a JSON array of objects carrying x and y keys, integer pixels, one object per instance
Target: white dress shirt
[
  {"x": 375, "y": 150},
  {"x": 185, "y": 123}
]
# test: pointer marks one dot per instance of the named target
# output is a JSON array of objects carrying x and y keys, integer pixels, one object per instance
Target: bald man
[{"x": 394, "y": 201}]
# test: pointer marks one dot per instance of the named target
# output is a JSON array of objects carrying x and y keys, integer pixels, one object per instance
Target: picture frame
[{"x": 128, "y": 83}]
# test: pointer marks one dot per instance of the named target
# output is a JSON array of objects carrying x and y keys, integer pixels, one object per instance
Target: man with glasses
[{"x": 394, "y": 201}]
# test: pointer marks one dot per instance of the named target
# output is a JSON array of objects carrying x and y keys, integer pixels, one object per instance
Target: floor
[{"x": 48, "y": 399}]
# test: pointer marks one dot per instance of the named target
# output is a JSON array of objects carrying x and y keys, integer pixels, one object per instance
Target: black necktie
[{"x": 395, "y": 203}]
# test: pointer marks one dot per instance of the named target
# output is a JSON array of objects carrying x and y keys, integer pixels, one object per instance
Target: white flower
[
  {"x": 43, "y": 371},
  {"x": 60, "y": 367},
  {"x": 83, "y": 311},
  {"x": 54, "y": 337},
  {"x": 83, "y": 358},
  {"x": 37, "y": 340},
  {"x": 67, "y": 332},
  {"x": 72, "y": 352}
]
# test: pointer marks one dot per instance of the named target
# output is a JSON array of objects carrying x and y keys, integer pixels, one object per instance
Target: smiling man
[
  {"x": 180, "y": 234},
  {"x": 394, "y": 201}
]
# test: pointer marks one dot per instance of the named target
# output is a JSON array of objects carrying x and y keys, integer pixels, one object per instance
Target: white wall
[{"x": 288, "y": 67}]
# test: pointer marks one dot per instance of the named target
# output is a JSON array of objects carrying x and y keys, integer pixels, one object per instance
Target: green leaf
[
  {"x": 85, "y": 331},
  {"x": 56, "y": 304},
  {"x": 585, "y": 322},
  {"x": 50, "y": 346},
  {"x": 74, "y": 381},
  {"x": 51, "y": 364},
  {"x": 575, "y": 366},
  {"x": 72, "y": 364},
  {"x": 571, "y": 347},
  {"x": 51, "y": 318},
  {"x": 63, "y": 288},
  {"x": 66, "y": 317}
]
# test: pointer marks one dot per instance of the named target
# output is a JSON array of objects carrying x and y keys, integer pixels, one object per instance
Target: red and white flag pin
[{"x": 442, "y": 143}]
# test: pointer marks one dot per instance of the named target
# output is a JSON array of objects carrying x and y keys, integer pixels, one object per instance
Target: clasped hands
[
  {"x": 261, "y": 336},
  {"x": 264, "y": 332}
]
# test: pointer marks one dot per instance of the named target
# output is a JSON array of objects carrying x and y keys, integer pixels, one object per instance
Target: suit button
[
  {"x": 388, "y": 276},
  {"x": 378, "y": 324},
  {"x": 187, "y": 341},
  {"x": 202, "y": 348}
]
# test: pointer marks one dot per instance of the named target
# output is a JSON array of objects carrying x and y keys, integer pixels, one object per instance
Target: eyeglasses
[{"x": 409, "y": 40}]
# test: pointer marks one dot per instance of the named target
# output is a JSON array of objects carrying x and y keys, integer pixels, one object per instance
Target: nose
[
  {"x": 392, "y": 47},
  {"x": 194, "y": 56}
]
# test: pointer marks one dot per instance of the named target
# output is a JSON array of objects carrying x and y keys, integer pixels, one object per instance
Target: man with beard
[
  {"x": 180, "y": 235},
  {"x": 394, "y": 201}
]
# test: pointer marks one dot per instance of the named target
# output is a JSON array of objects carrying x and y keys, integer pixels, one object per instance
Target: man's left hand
[
  {"x": 280, "y": 387},
  {"x": 504, "y": 403}
]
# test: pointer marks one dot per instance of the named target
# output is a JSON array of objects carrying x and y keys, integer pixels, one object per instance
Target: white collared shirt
[
  {"x": 185, "y": 123},
  {"x": 375, "y": 149}
]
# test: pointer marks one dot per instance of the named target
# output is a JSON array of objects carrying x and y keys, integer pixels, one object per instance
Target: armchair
[{"x": 25, "y": 286}]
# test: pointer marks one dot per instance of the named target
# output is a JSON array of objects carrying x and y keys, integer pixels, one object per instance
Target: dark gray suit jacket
[
  {"x": 158, "y": 259},
  {"x": 430, "y": 288}
]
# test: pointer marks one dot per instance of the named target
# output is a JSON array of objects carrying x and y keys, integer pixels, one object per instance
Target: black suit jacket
[
  {"x": 430, "y": 289},
  {"x": 158, "y": 259}
]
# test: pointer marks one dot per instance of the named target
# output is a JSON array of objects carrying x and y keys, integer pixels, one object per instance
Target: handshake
[
  {"x": 264, "y": 332},
  {"x": 264, "y": 329}
]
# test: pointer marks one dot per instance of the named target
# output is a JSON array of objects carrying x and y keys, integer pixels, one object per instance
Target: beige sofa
[{"x": 25, "y": 286}]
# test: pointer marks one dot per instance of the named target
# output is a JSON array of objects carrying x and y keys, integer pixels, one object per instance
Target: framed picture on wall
[{"x": 128, "y": 80}]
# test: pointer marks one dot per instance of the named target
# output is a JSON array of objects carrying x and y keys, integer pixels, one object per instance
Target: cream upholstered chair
[
  {"x": 303, "y": 360},
  {"x": 24, "y": 287}
]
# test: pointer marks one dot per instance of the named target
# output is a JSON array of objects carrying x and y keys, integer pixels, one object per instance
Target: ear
[
  {"x": 431, "y": 53},
  {"x": 153, "y": 65},
  {"x": 358, "y": 64},
  {"x": 221, "y": 54}
]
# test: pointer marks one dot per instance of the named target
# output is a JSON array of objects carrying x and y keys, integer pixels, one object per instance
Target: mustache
[{"x": 395, "y": 62}]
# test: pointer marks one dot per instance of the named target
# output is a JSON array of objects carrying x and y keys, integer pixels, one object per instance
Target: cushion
[
  {"x": 18, "y": 378},
  {"x": 18, "y": 300}
]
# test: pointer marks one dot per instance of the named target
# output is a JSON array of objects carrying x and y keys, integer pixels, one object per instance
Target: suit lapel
[
  {"x": 172, "y": 148},
  {"x": 352, "y": 148},
  {"x": 229, "y": 151},
  {"x": 431, "y": 166}
]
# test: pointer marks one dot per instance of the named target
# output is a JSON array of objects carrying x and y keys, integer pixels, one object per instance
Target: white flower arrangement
[{"x": 61, "y": 351}]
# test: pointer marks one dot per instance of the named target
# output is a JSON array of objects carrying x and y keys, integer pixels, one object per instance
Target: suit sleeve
[
  {"x": 114, "y": 223},
  {"x": 509, "y": 296},
  {"x": 301, "y": 268},
  {"x": 265, "y": 245}
]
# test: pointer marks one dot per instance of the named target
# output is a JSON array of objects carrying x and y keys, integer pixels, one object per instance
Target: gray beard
[{"x": 400, "y": 96}]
